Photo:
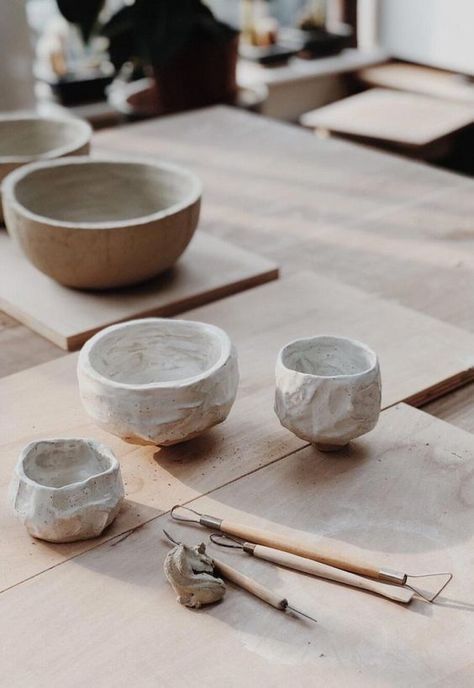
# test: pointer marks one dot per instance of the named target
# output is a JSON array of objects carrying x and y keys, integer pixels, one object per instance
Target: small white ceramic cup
[
  {"x": 328, "y": 390},
  {"x": 66, "y": 489},
  {"x": 157, "y": 380}
]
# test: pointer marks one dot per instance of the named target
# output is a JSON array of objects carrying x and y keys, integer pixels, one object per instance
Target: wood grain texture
[
  {"x": 44, "y": 401},
  {"x": 20, "y": 348},
  {"x": 456, "y": 408},
  {"x": 409, "y": 119},
  {"x": 393, "y": 227},
  {"x": 404, "y": 495},
  {"x": 209, "y": 269}
]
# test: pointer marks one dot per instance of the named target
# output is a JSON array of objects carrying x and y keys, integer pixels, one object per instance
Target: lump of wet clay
[{"x": 190, "y": 572}]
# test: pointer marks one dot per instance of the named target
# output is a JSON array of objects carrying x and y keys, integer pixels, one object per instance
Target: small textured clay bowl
[
  {"x": 66, "y": 489},
  {"x": 100, "y": 223},
  {"x": 27, "y": 138},
  {"x": 328, "y": 390},
  {"x": 158, "y": 381}
]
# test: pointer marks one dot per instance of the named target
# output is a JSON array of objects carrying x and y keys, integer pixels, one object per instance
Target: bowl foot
[{"x": 321, "y": 446}]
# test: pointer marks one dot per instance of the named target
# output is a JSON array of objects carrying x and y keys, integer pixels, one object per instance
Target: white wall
[
  {"x": 16, "y": 63},
  {"x": 284, "y": 10},
  {"x": 433, "y": 32}
]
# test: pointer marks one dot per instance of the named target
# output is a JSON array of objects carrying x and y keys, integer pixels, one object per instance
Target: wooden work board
[
  {"x": 408, "y": 119},
  {"x": 420, "y": 358},
  {"x": 209, "y": 269},
  {"x": 382, "y": 223},
  {"x": 414, "y": 78},
  {"x": 402, "y": 497}
]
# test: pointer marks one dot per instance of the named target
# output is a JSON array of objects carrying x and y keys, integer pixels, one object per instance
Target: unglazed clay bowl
[
  {"x": 328, "y": 390},
  {"x": 158, "y": 381},
  {"x": 96, "y": 223},
  {"x": 26, "y": 138},
  {"x": 66, "y": 489}
]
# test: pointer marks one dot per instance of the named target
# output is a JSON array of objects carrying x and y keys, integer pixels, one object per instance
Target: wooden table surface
[
  {"x": 44, "y": 402},
  {"x": 391, "y": 227},
  {"x": 108, "y": 617}
]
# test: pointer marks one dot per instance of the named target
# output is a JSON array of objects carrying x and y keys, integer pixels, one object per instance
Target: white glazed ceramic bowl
[
  {"x": 27, "y": 138},
  {"x": 328, "y": 390},
  {"x": 66, "y": 489},
  {"x": 101, "y": 223},
  {"x": 158, "y": 381}
]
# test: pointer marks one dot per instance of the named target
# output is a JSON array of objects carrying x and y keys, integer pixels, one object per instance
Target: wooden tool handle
[
  {"x": 250, "y": 585},
  {"x": 286, "y": 544},
  {"x": 315, "y": 568}
]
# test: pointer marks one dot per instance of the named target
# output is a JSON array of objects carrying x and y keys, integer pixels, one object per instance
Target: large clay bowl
[
  {"x": 26, "y": 138},
  {"x": 158, "y": 381},
  {"x": 100, "y": 223}
]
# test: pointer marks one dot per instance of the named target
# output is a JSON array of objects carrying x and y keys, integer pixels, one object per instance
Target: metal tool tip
[{"x": 297, "y": 611}]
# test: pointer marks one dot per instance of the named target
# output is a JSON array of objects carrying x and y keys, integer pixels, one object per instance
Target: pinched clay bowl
[
  {"x": 97, "y": 224},
  {"x": 328, "y": 390},
  {"x": 66, "y": 489},
  {"x": 26, "y": 138},
  {"x": 158, "y": 381}
]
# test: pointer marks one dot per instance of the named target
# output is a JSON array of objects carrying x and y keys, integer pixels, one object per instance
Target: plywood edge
[
  {"x": 324, "y": 119},
  {"x": 33, "y": 324},
  {"x": 440, "y": 389},
  {"x": 187, "y": 303}
]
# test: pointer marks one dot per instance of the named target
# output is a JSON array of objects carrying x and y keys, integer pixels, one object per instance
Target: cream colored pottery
[
  {"x": 66, "y": 489},
  {"x": 96, "y": 223},
  {"x": 27, "y": 138},
  {"x": 328, "y": 390},
  {"x": 158, "y": 381}
]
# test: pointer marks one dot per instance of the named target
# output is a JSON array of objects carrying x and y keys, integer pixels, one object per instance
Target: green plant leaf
[
  {"x": 155, "y": 30},
  {"x": 83, "y": 13}
]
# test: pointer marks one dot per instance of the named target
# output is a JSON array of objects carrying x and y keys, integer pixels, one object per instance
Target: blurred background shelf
[{"x": 301, "y": 84}]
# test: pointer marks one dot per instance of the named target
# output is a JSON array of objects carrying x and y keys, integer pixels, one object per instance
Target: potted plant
[
  {"x": 193, "y": 55},
  {"x": 318, "y": 41}
]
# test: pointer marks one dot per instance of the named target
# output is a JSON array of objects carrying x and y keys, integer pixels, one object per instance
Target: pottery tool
[
  {"x": 243, "y": 581},
  {"x": 435, "y": 582},
  {"x": 315, "y": 568}
]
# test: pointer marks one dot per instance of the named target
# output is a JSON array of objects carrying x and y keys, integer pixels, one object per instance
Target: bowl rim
[
  {"x": 83, "y": 137},
  {"x": 97, "y": 447},
  {"x": 344, "y": 376},
  {"x": 85, "y": 367},
  {"x": 9, "y": 184}
]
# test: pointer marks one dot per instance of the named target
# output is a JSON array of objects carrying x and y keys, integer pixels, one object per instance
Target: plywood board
[
  {"x": 406, "y": 118},
  {"x": 208, "y": 270},
  {"x": 420, "y": 358},
  {"x": 418, "y": 79},
  {"x": 404, "y": 498},
  {"x": 379, "y": 222}
]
